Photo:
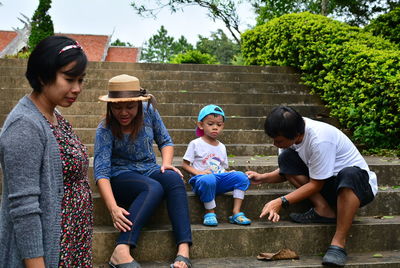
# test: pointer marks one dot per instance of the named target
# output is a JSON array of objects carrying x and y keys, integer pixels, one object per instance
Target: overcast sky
[{"x": 118, "y": 18}]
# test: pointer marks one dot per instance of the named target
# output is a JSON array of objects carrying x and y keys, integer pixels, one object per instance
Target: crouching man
[{"x": 325, "y": 167}]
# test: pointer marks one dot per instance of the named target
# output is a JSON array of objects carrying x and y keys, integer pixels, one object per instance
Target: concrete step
[
  {"x": 186, "y": 109},
  {"x": 385, "y": 204},
  {"x": 184, "y": 136},
  {"x": 156, "y": 243},
  {"x": 190, "y": 67},
  {"x": 387, "y": 169},
  {"x": 12, "y": 82},
  {"x": 193, "y": 97},
  {"x": 233, "y": 149},
  {"x": 189, "y": 122},
  {"x": 181, "y": 121},
  {"x": 165, "y": 67},
  {"x": 176, "y": 75},
  {"x": 233, "y": 110},
  {"x": 376, "y": 259}
]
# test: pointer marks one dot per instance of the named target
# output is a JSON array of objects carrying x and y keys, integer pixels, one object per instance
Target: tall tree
[
  {"x": 219, "y": 45},
  {"x": 41, "y": 25},
  {"x": 224, "y": 10},
  {"x": 269, "y": 9},
  {"x": 181, "y": 46},
  {"x": 361, "y": 12},
  {"x": 355, "y": 12},
  {"x": 161, "y": 47},
  {"x": 387, "y": 26}
]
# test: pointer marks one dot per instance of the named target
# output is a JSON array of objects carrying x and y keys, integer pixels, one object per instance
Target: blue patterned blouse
[{"x": 113, "y": 156}]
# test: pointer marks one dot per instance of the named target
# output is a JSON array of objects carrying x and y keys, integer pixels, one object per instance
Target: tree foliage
[
  {"x": 224, "y": 10},
  {"x": 194, "y": 57},
  {"x": 387, "y": 26},
  {"x": 181, "y": 45},
  {"x": 41, "y": 25},
  {"x": 354, "y": 12},
  {"x": 120, "y": 43},
  {"x": 161, "y": 47},
  {"x": 219, "y": 45}
]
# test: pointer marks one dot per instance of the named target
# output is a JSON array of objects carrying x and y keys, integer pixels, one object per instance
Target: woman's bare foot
[
  {"x": 183, "y": 250},
  {"x": 121, "y": 254}
]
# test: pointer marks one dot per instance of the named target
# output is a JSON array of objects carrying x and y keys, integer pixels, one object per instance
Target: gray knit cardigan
[{"x": 30, "y": 212}]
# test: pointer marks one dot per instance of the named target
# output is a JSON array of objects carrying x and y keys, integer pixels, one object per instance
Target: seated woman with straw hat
[{"x": 130, "y": 181}]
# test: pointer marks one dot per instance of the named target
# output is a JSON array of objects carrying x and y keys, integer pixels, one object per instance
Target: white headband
[{"x": 69, "y": 47}]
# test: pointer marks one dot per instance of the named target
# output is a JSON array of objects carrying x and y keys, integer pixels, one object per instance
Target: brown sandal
[{"x": 283, "y": 254}]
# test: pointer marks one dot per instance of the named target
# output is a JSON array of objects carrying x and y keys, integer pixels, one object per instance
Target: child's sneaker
[
  {"x": 239, "y": 218},
  {"x": 210, "y": 219}
]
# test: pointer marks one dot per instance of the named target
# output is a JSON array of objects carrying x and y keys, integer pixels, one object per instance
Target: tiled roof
[
  {"x": 123, "y": 54},
  {"x": 6, "y": 37},
  {"x": 95, "y": 46}
]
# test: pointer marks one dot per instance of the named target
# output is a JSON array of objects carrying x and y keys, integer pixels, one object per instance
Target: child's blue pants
[{"x": 209, "y": 185}]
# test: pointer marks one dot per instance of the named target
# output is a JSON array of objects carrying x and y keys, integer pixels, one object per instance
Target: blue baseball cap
[{"x": 207, "y": 110}]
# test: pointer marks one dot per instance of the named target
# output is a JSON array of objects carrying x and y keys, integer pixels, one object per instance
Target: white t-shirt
[
  {"x": 326, "y": 151},
  {"x": 203, "y": 156}
]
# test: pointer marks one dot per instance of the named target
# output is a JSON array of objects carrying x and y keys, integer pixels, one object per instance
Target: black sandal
[
  {"x": 132, "y": 264},
  {"x": 310, "y": 216},
  {"x": 182, "y": 259},
  {"x": 335, "y": 256}
]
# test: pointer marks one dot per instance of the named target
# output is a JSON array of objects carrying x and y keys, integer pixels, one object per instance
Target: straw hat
[{"x": 123, "y": 88}]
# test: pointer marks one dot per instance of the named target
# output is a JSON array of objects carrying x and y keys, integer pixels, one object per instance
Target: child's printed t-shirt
[{"x": 203, "y": 156}]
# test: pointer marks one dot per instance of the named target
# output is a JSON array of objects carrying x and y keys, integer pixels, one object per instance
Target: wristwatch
[{"x": 285, "y": 202}]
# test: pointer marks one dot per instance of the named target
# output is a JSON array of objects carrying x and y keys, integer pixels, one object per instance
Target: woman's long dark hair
[{"x": 116, "y": 130}]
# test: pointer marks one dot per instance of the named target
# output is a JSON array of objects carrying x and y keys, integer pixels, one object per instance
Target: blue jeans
[
  {"x": 141, "y": 195},
  {"x": 209, "y": 185}
]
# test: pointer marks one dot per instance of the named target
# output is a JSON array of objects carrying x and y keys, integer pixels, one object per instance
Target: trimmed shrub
[
  {"x": 387, "y": 26},
  {"x": 194, "y": 57},
  {"x": 356, "y": 74},
  {"x": 19, "y": 55}
]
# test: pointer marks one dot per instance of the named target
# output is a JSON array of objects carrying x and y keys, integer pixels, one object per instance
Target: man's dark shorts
[{"x": 354, "y": 178}]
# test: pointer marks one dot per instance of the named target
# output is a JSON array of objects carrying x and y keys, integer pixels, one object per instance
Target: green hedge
[
  {"x": 194, "y": 57},
  {"x": 356, "y": 74}
]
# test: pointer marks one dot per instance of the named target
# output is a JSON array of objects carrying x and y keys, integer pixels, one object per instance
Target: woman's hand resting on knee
[
  {"x": 171, "y": 167},
  {"x": 122, "y": 223}
]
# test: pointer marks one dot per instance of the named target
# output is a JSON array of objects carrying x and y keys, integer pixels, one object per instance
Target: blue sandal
[
  {"x": 240, "y": 219},
  {"x": 210, "y": 219}
]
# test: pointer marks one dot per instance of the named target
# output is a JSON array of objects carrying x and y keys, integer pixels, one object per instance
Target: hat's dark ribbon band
[
  {"x": 127, "y": 94},
  {"x": 133, "y": 94}
]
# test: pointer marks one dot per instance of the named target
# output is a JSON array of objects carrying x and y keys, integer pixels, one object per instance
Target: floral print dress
[{"x": 77, "y": 205}]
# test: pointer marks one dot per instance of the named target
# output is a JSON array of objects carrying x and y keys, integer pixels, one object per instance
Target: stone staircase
[{"x": 246, "y": 94}]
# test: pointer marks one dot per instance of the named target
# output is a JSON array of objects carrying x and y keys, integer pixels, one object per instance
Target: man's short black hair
[
  {"x": 284, "y": 121},
  {"x": 46, "y": 60}
]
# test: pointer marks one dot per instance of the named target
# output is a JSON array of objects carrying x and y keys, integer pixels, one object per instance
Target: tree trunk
[{"x": 324, "y": 7}]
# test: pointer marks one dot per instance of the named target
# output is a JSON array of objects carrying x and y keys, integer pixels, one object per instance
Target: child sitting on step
[{"x": 206, "y": 159}]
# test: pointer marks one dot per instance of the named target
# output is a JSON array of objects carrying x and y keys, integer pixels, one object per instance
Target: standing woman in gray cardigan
[{"x": 46, "y": 207}]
